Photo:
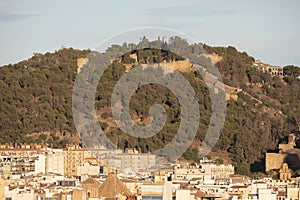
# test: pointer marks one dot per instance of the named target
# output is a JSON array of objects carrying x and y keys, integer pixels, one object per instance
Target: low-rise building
[{"x": 266, "y": 68}]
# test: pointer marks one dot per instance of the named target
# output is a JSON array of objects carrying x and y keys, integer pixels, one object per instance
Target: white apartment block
[
  {"x": 55, "y": 161},
  {"x": 30, "y": 164}
]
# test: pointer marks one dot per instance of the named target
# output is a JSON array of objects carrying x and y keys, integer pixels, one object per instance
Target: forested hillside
[{"x": 36, "y": 97}]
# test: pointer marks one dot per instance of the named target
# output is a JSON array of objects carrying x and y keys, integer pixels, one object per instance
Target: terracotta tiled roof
[
  {"x": 90, "y": 181},
  {"x": 196, "y": 179},
  {"x": 239, "y": 186},
  {"x": 201, "y": 194},
  {"x": 112, "y": 187}
]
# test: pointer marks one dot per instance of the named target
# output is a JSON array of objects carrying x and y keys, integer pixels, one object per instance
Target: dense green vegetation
[
  {"x": 36, "y": 98},
  {"x": 140, "y": 103},
  {"x": 291, "y": 70},
  {"x": 252, "y": 128}
]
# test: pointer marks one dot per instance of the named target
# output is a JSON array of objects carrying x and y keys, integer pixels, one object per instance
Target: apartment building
[
  {"x": 21, "y": 159},
  {"x": 74, "y": 156},
  {"x": 126, "y": 161},
  {"x": 55, "y": 161}
]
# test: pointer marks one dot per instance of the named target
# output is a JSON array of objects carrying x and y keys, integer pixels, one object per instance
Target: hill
[{"x": 36, "y": 97}]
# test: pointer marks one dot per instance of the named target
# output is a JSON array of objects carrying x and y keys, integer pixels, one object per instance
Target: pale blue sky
[{"x": 267, "y": 30}]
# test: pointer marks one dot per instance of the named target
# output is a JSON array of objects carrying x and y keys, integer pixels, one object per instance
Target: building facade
[
  {"x": 74, "y": 156},
  {"x": 55, "y": 161}
]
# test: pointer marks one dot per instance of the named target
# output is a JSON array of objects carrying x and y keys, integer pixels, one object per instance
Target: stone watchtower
[
  {"x": 290, "y": 145},
  {"x": 285, "y": 173}
]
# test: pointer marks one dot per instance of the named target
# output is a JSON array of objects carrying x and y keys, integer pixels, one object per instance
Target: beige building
[
  {"x": 131, "y": 159},
  {"x": 218, "y": 172},
  {"x": 79, "y": 194},
  {"x": 91, "y": 186},
  {"x": 21, "y": 150},
  {"x": 2, "y": 191},
  {"x": 93, "y": 167},
  {"x": 153, "y": 190},
  {"x": 18, "y": 193},
  {"x": 162, "y": 175},
  {"x": 293, "y": 193},
  {"x": 137, "y": 161},
  {"x": 189, "y": 173},
  {"x": 239, "y": 191},
  {"x": 88, "y": 169},
  {"x": 74, "y": 156},
  {"x": 266, "y": 68}
]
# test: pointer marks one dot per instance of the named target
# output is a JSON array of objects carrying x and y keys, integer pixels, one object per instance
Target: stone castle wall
[
  {"x": 80, "y": 63},
  {"x": 287, "y": 154},
  {"x": 274, "y": 161}
]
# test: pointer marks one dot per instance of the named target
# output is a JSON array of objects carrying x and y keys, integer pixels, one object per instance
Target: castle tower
[
  {"x": 285, "y": 172},
  {"x": 292, "y": 139}
]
